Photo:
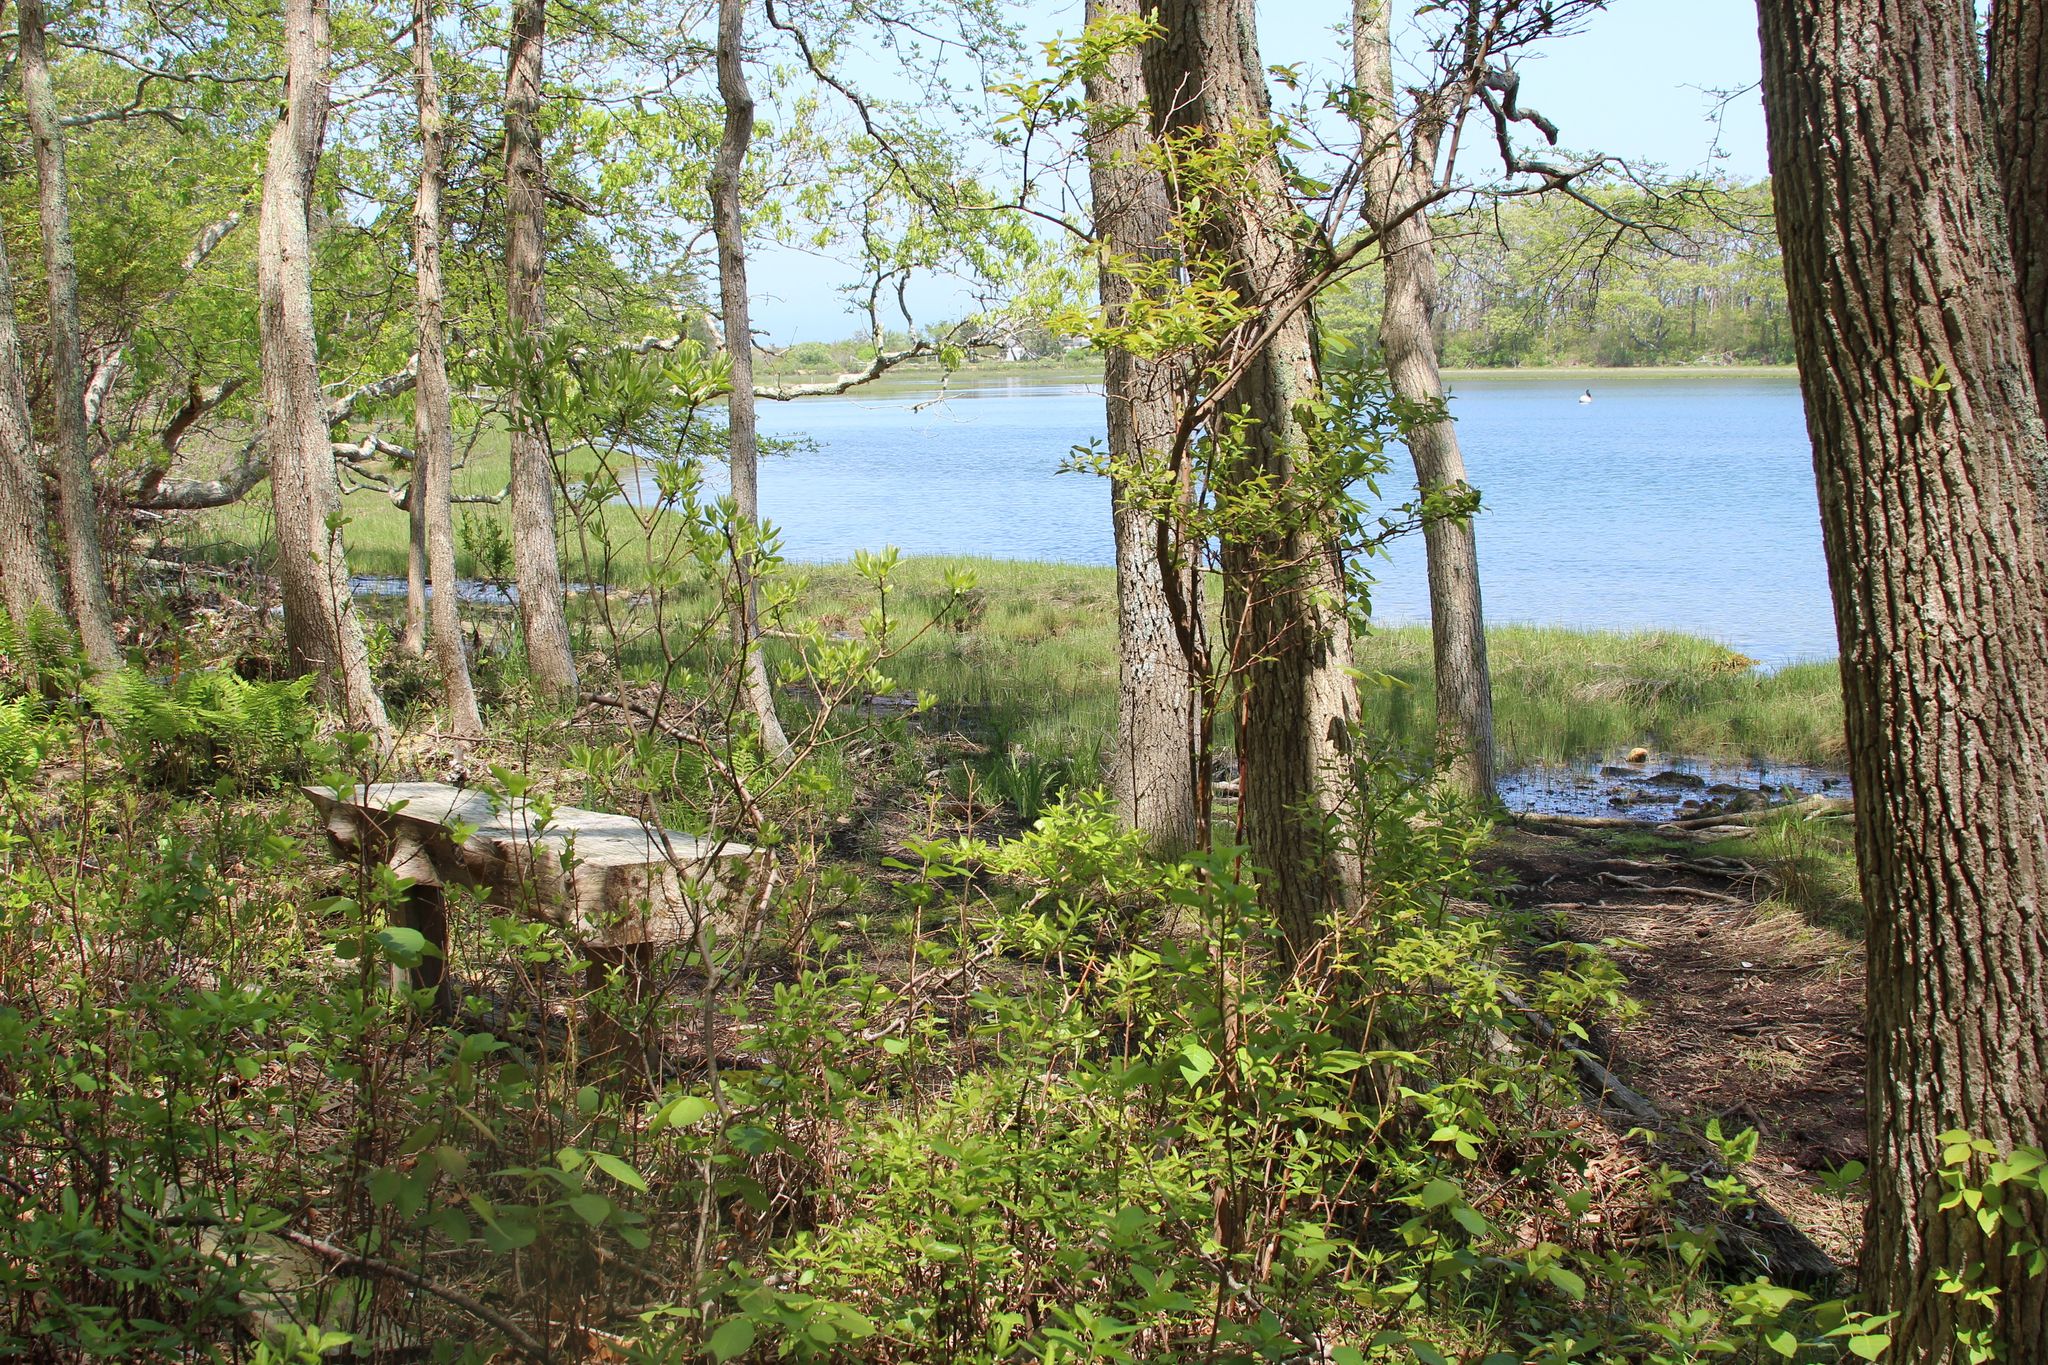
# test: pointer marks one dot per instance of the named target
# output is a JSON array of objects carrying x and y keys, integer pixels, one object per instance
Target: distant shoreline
[
  {"x": 1092, "y": 373},
  {"x": 1626, "y": 371}
]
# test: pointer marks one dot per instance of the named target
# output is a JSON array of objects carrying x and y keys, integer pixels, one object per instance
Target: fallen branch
[
  {"x": 522, "y": 1341},
  {"x": 1812, "y": 807}
]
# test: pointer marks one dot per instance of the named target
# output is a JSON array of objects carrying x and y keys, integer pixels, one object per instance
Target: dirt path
[{"x": 1747, "y": 1013}]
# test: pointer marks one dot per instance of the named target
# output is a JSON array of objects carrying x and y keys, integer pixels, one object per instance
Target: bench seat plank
[{"x": 628, "y": 882}]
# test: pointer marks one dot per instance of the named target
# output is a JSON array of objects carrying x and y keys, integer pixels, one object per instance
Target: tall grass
[
  {"x": 1033, "y": 667},
  {"x": 1560, "y": 695}
]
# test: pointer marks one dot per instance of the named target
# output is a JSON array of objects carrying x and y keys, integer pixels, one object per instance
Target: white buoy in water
[{"x": 1586, "y": 397}]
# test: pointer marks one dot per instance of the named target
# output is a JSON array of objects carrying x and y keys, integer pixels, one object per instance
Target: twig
[{"x": 528, "y": 1345}]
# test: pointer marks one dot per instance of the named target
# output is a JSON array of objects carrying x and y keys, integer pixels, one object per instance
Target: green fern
[
  {"x": 21, "y": 740},
  {"x": 39, "y": 652},
  {"x": 206, "y": 721}
]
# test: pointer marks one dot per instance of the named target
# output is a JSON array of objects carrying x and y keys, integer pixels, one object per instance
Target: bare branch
[{"x": 524, "y": 1342}]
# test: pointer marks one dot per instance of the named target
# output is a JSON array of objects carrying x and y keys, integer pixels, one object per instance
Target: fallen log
[{"x": 1813, "y": 807}]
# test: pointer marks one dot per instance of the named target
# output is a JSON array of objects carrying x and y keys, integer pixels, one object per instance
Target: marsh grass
[
  {"x": 1031, "y": 666},
  {"x": 1815, "y": 863},
  {"x": 1561, "y": 695}
]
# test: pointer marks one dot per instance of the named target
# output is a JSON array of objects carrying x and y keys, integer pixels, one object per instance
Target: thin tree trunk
[
  {"x": 536, "y": 563},
  {"x": 28, "y": 573},
  {"x": 730, "y": 230},
  {"x": 77, "y": 507},
  {"x": 414, "y": 639},
  {"x": 1399, "y": 175},
  {"x": 1284, "y": 592},
  {"x": 1930, "y": 455},
  {"x": 2019, "y": 117},
  {"x": 321, "y": 628},
  {"x": 433, "y": 417},
  {"x": 1153, "y": 770}
]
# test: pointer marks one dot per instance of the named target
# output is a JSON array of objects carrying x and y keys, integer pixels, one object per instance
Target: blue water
[{"x": 1686, "y": 503}]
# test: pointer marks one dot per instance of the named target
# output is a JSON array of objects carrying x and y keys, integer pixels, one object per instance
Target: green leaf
[
  {"x": 591, "y": 1208},
  {"x": 685, "y": 1110},
  {"x": 1569, "y": 1281},
  {"x": 1196, "y": 1062},
  {"x": 733, "y": 1337},
  {"x": 1869, "y": 1346},
  {"x": 1784, "y": 1343},
  {"x": 405, "y": 947},
  {"x": 1438, "y": 1193},
  {"x": 618, "y": 1170}
]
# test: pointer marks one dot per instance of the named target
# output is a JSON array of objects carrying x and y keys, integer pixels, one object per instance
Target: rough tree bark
[
  {"x": 1930, "y": 454},
  {"x": 77, "y": 505},
  {"x": 1284, "y": 608},
  {"x": 2019, "y": 117},
  {"x": 536, "y": 564},
  {"x": 28, "y": 574},
  {"x": 414, "y": 639},
  {"x": 1152, "y": 771},
  {"x": 728, "y": 225},
  {"x": 433, "y": 417},
  {"x": 321, "y": 628},
  {"x": 1400, "y": 173}
]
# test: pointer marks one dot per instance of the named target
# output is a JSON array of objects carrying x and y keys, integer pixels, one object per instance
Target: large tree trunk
[
  {"x": 77, "y": 507},
  {"x": 28, "y": 574},
  {"x": 321, "y": 628},
  {"x": 1284, "y": 592},
  {"x": 2019, "y": 118},
  {"x": 729, "y": 227},
  {"x": 1930, "y": 454},
  {"x": 1153, "y": 769},
  {"x": 433, "y": 417},
  {"x": 536, "y": 564},
  {"x": 1399, "y": 175}
]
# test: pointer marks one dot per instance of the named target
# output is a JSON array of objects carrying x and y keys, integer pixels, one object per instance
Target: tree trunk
[
  {"x": 321, "y": 628},
  {"x": 730, "y": 230},
  {"x": 536, "y": 565},
  {"x": 1284, "y": 594},
  {"x": 414, "y": 640},
  {"x": 433, "y": 471},
  {"x": 1153, "y": 769},
  {"x": 1929, "y": 450},
  {"x": 2019, "y": 117},
  {"x": 1399, "y": 175},
  {"x": 28, "y": 574},
  {"x": 77, "y": 507}
]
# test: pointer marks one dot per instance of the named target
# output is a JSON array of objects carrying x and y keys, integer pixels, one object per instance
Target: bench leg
[
  {"x": 426, "y": 909},
  {"x": 615, "y": 1040}
]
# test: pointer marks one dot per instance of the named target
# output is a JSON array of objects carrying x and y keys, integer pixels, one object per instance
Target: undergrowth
[{"x": 1069, "y": 1108}]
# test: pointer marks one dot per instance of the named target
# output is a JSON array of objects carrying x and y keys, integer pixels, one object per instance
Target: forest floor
[{"x": 1745, "y": 989}]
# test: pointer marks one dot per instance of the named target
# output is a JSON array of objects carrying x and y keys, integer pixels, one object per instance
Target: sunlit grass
[
  {"x": 1564, "y": 694},
  {"x": 1814, "y": 860},
  {"x": 1032, "y": 665}
]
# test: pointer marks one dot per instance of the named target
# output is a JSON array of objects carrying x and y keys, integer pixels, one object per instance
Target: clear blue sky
[{"x": 1633, "y": 84}]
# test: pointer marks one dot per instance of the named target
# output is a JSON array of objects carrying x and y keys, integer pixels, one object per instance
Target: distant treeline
[{"x": 1684, "y": 278}]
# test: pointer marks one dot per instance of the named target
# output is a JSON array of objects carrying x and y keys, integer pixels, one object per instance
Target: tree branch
[{"x": 524, "y": 1342}]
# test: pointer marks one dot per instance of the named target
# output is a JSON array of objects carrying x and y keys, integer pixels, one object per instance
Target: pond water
[{"x": 1683, "y": 502}]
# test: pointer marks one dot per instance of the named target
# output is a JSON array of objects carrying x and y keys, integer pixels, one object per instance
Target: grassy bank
[
  {"x": 1039, "y": 665},
  {"x": 1034, "y": 665}
]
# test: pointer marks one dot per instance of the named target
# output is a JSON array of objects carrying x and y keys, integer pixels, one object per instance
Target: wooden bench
[{"x": 628, "y": 888}]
